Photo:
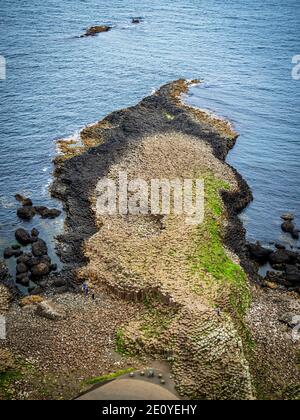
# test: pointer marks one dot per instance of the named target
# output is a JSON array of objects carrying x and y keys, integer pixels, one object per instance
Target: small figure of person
[{"x": 85, "y": 289}]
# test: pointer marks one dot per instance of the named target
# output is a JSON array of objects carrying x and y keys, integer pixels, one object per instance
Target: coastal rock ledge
[
  {"x": 190, "y": 283},
  {"x": 163, "y": 289}
]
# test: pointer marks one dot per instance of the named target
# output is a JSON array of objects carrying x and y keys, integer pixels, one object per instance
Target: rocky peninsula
[{"x": 166, "y": 292}]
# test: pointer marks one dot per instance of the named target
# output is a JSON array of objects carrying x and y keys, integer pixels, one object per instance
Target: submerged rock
[
  {"x": 94, "y": 30},
  {"x": 136, "y": 20},
  {"x": 21, "y": 268},
  {"x": 9, "y": 253}
]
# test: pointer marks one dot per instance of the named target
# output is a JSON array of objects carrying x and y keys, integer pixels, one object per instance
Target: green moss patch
[{"x": 108, "y": 377}]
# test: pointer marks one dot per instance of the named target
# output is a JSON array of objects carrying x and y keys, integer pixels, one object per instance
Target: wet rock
[
  {"x": 279, "y": 246},
  {"x": 23, "y": 200},
  {"x": 8, "y": 253},
  {"x": 48, "y": 310},
  {"x": 21, "y": 268},
  {"x": 94, "y": 30},
  {"x": 59, "y": 283},
  {"x": 46, "y": 213},
  {"x": 24, "y": 281},
  {"x": 136, "y": 20},
  {"x": 16, "y": 247},
  {"x": 39, "y": 248},
  {"x": 23, "y": 237},
  {"x": 292, "y": 274},
  {"x": 290, "y": 319},
  {"x": 26, "y": 213},
  {"x": 289, "y": 227},
  {"x": 53, "y": 267},
  {"x": 40, "y": 270},
  {"x": 35, "y": 233},
  {"x": 281, "y": 257},
  {"x": 288, "y": 217},
  {"x": 259, "y": 253}
]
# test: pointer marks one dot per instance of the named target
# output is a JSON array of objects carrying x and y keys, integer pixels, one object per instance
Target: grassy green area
[
  {"x": 108, "y": 377},
  {"x": 210, "y": 256},
  {"x": 120, "y": 343},
  {"x": 6, "y": 383}
]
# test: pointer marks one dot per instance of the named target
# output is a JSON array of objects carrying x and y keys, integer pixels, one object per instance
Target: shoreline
[{"x": 205, "y": 317}]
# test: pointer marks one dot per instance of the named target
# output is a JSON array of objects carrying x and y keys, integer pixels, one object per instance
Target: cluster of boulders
[
  {"x": 27, "y": 211},
  {"x": 285, "y": 262},
  {"x": 33, "y": 265}
]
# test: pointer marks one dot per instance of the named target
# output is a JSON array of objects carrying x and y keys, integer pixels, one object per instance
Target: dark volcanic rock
[
  {"x": 26, "y": 213},
  {"x": 136, "y": 20},
  {"x": 15, "y": 247},
  {"x": 259, "y": 253},
  {"x": 25, "y": 201},
  {"x": 39, "y": 248},
  {"x": 40, "y": 270},
  {"x": 288, "y": 217},
  {"x": 53, "y": 267},
  {"x": 24, "y": 259},
  {"x": 23, "y": 237},
  {"x": 46, "y": 213},
  {"x": 280, "y": 257},
  {"x": 8, "y": 253},
  {"x": 35, "y": 233},
  {"x": 292, "y": 274},
  {"x": 94, "y": 30},
  {"x": 21, "y": 268},
  {"x": 289, "y": 227}
]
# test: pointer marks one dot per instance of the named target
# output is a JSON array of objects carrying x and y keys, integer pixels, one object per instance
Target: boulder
[
  {"x": 94, "y": 30},
  {"x": 23, "y": 200},
  {"x": 24, "y": 259},
  {"x": 259, "y": 253},
  {"x": 53, "y": 267},
  {"x": 46, "y": 213},
  {"x": 35, "y": 233},
  {"x": 25, "y": 281},
  {"x": 289, "y": 227},
  {"x": 288, "y": 217},
  {"x": 49, "y": 310},
  {"x": 21, "y": 268},
  {"x": 26, "y": 212},
  {"x": 39, "y": 248},
  {"x": 16, "y": 247},
  {"x": 40, "y": 270},
  {"x": 292, "y": 274},
  {"x": 59, "y": 283},
  {"x": 280, "y": 257},
  {"x": 8, "y": 253},
  {"x": 23, "y": 237},
  {"x": 136, "y": 20},
  {"x": 290, "y": 319}
]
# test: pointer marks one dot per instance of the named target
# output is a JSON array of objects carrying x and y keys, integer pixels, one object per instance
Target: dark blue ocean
[{"x": 57, "y": 83}]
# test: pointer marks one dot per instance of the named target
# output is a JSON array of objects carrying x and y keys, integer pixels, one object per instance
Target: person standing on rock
[{"x": 85, "y": 289}]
